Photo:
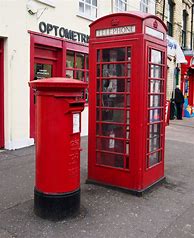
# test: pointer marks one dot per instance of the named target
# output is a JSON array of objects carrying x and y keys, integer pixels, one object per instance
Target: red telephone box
[
  {"x": 127, "y": 93},
  {"x": 58, "y": 115}
]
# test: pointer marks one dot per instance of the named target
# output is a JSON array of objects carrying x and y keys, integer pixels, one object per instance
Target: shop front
[
  {"x": 187, "y": 84},
  {"x": 1, "y": 93},
  {"x": 57, "y": 57}
]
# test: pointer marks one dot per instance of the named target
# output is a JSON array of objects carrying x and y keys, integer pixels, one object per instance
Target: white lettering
[{"x": 115, "y": 31}]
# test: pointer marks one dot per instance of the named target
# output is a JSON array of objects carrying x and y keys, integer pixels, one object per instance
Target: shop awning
[{"x": 174, "y": 50}]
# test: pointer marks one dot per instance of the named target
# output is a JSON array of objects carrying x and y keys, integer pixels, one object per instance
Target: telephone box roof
[{"x": 135, "y": 14}]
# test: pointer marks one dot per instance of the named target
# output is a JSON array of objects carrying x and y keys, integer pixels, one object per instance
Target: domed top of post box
[{"x": 57, "y": 84}]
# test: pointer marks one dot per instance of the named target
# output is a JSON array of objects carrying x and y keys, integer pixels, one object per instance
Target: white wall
[{"x": 15, "y": 22}]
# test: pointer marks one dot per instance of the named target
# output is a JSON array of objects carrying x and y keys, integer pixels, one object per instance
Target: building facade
[
  {"x": 178, "y": 16},
  {"x": 45, "y": 38}
]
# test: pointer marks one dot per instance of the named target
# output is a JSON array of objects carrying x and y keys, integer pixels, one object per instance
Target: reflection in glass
[
  {"x": 156, "y": 56},
  {"x": 129, "y": 70},
  {"x": 70, "y": 59},
  {"x": 98, "y": 85},
  {"x": 104, "y": 129},
  {"x": 108, "y": 159},
  {"x": 87, "y": 62},
  {"x": 128, "y": 54},
  {"x": 80, "y": 60},
  {"x": 155, "y": 86},
  {"x": 79, "y": 75},
  {"x": 113, "y": 115},
  {"x": 42, "y": 71},
  {"x": 110, "y": 144},
  {"x": 113, "y": 85},
  {"x": 98, "y": 70},
  {"x": 113, "y": 70},
  {"x": 155, "y": 71},
  {"x": 69, "y": 73},
  {"x": 98, "y": 55},
  {"x": 154, "y": 158},
  {"x": 154, "y": 130},
  {"x": 154, "y": 144},
  {"x": 128, "y": 85},
  {"x": 154, "y": 115},
  {"x": 112, "y": 100},
  {"x": 154, "y": 101},
  {"x": 113, "y": 54}
]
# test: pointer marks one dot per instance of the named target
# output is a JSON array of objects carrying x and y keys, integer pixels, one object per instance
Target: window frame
[
  {"x": 91, "y": 5},
  {"x": 117, "y": 8},
  {"x": 144, "y": 6},
  {"x": 170, "y": 17},
  {"x": 184, "y": 28}
]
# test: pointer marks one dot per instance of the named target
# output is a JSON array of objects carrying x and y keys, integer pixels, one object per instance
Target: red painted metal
[
  {"x": 122, "y": 152},
  {"x": 57, "y": 144},
  {"x": 1, "y": 93}
]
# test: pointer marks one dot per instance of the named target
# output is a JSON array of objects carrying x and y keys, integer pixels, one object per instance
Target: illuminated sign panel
[
  {"x": 115, "y": 31},
  {"x": 155, "y": 33}
]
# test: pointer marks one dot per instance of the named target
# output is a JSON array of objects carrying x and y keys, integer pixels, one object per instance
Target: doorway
[{"x": 44, "y": 66}]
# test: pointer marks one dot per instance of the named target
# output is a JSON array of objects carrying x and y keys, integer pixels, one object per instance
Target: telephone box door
[{"x": 111, "y": 107}]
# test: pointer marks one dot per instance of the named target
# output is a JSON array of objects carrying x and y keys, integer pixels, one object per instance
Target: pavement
[{"x": 165, "y": 211}]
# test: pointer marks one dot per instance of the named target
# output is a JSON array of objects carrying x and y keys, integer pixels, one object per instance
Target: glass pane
[
  {"x": 70, "y": 59},
  {"x": 94, "y": 3},
  {"x": 154, "y": 144},
  {"x": 113, "y": 85},
  {"x": 154, "y": 115},
  {"x": 110, "y": 70},
  {"x": 156, "y": 86},
  {"x": 81, "y": 7},
  {"x": 156, "y": 56},
  {"x": 154, "y": 158},
  {"x": 154, "y": 101},
  {"x": 110, "y": 144},
  {"x": 115, "y": 54},
  {"x": 154, "y": 130},
  {"x": 88, "y": 1},
  {"x": 98, "y": 86},
  {"x": 69, "y": 73},
  {"x": 79, "y": 75},
  {"x": 105, "y": 129},
  {"x": 98, "y": 55},
  {"x": 88, "y": 10},
  {"x": 87, "y": 76},
  {"x": 112, "y": 100},
  {"x": 80, "y": 61},
  {"x": 129, "y": 70},
  {"x": 94, "y": 12},
  {"x": 128, "y": 86},
  {"x": 128, "y": 54},
  {"x": 110, "y": 115},
  {"x": 42, "y": 71},
  {"x": 98, "y": 70},
  {"x": 110, "y": 159},
  {"x": 87, "y": 62},
  {"x": 155, "y": 71}
]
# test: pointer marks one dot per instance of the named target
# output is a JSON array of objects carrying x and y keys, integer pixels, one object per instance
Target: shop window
[
  {"x": 170, "y": 17},
  {"x": 144, "y": 6},
  {"x": 88, "y": 9},
  {"x": 120, "y": 5},
  {"x": 77, "y": 66},
  {"x": 184, "y": 29}
]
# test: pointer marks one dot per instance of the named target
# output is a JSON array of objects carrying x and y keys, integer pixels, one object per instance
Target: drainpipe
[{"x": 191, "y": 43}]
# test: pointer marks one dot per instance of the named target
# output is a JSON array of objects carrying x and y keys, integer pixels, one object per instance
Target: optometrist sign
[{"x": 115, "y": 31}]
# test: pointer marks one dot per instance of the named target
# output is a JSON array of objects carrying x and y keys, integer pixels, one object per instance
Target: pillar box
[{"x": 58, "y": 118}]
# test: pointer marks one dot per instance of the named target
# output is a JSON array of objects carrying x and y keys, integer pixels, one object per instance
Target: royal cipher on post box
[
  {"x": 58, "y": 116},
  {"x": 127, "y": 91}
]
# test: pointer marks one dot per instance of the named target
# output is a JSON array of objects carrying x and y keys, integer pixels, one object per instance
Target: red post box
[
  {"x": 127, "y": 95},
  {"x": 58, "y": 115}
]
